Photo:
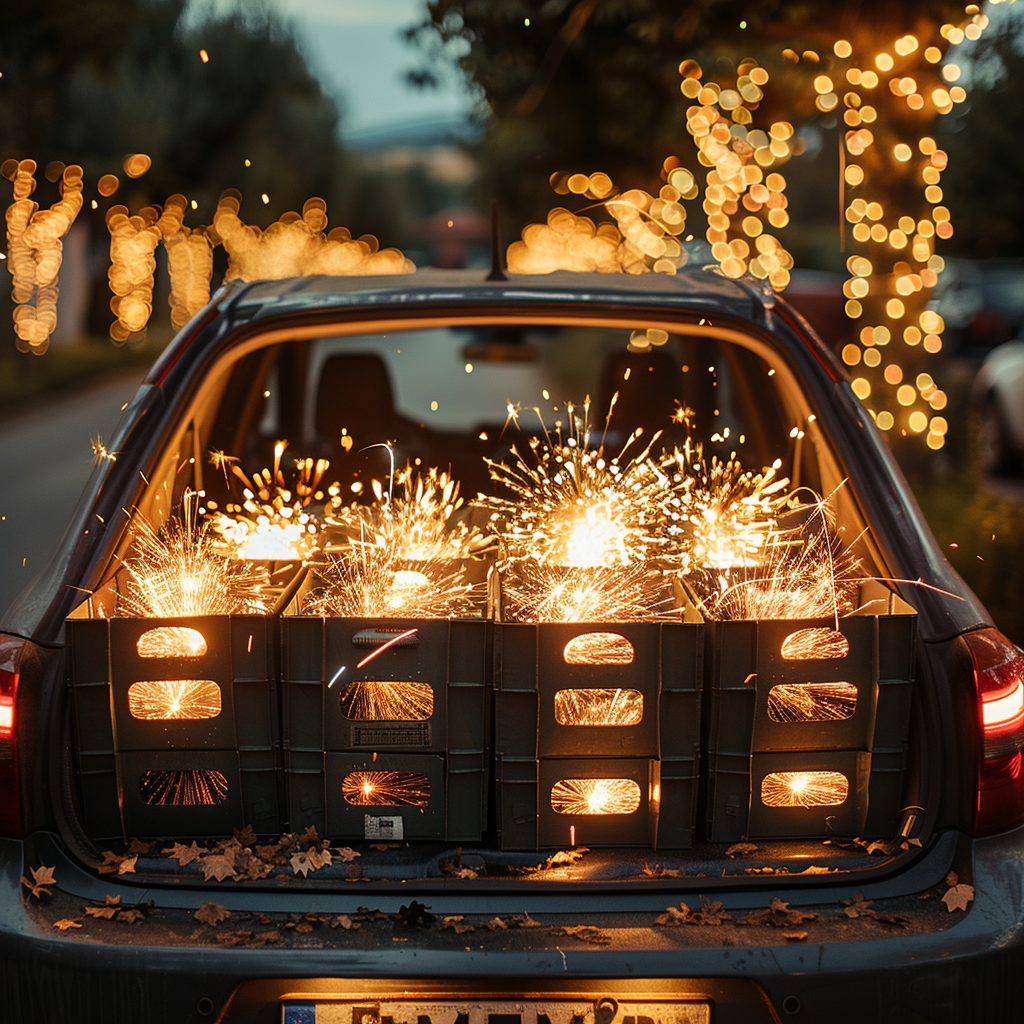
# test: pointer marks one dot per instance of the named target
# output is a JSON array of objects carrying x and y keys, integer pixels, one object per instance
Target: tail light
[
  {"x": 11, "y": 648},
  {"x": 999, "y": 680}
]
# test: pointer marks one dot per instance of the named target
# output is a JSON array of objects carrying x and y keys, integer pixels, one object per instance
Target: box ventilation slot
[
  {"x": 387, "y": 701},
  {"x": 812, "y": 702},
  {"x": 804, "y": 789},
  {"x": 386, "y": 789},
  {"x": 598, "y": 649},
  {"x": 186, "y": 787},
  {"x": 599, "y": 707},
  {"x": 595, "y": 796},
  {"x": 171, "y": 642},
  {"x": 818, "y": 642},
  {"x": 163, "y": 699}
]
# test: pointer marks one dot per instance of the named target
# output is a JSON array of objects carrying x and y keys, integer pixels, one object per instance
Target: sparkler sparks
[
  {"x": 575, "y": 506},
  {"x": 163, "y": 699},
  {"x": 817, "y": 642},
  {"x": 178, "y": 573},
  {"x": 274, "y": 520},
  {"x": 595, "y": 796},
  {"x": 599, "y": 707},
  {"x": 363, "y": 582},
  {"x": 387, "y": 701},
  {"x": 804, "y": 789},
  {"x": 394, "y": 641},
  {"x": 419, "y": 521},
  {"x": 186, "y": 787},
  {"x": 812, "y": 702},
  {"x": 392, "y": 789},
  {"x": 100, "y": 451}
]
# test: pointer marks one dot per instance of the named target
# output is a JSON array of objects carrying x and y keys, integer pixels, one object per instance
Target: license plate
[{"x": 508, "y": 1011}]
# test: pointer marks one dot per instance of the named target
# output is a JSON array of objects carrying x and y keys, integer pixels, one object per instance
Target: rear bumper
[{"x": 167, "y": 969}]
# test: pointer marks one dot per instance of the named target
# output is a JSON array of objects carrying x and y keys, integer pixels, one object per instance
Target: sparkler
[
  {"x": 186, "y": 787},
  {"x": 534, "y": 592},
  {"x": 371, "y": 581},
  {"x": 576, "y": 506},
  {"x": 418, "y": 522},
  {"x": 387, "y": 701},
  {"x": 273, "y": 521},
  {"x": 595, "y": 796},
  {"x": 162, "y": 699},
  {"x": 598, "y": 649},
  {"x": 178, "y": 573},
  {"x": 804, "y": 789},
  {"x": 394, "y": 789},
  {"x": 811, "y": 702},
  {"x": 171, "y": 642},
  {"x": 599, "y": 707}
]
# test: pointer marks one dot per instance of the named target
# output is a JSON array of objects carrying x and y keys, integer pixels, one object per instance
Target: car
[
  {"x": 221, "y": 831},
  {"x": 998, "y": 396}
]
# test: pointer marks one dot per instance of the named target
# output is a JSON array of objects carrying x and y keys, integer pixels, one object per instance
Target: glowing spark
[
  {"x": 171, "y": 642},
  {"x": 336, "y": 677},
  {"x": 187, "y": 787},
  {"x": 804, "y": 789},
  {"x": 387, "y": 701},
  {"x": 204, "y": 56},
  {"x": 595, "y": 796},
  {"x": 100, "y": 451},
  {"x": 391, "y": 643},
  {"x": 395, "y": 789}
]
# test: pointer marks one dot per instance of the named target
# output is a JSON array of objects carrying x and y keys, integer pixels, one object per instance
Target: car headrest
[{"x": 354, "y": 393}]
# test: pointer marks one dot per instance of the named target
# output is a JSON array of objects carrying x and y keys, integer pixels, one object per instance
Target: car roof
[{"x": 697, "y": 289}]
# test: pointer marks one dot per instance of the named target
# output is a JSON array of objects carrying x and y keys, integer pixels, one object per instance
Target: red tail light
[
  {"x": 999, "y": 680},
  {"x": 11, "y": 648}
]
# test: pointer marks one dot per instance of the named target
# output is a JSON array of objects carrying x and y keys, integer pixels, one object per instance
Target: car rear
[{"x": 909, "y": 904}]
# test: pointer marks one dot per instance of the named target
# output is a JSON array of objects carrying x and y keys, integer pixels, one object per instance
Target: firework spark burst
[
  {"x": 178, "y": 572},
  {"x": 595, "y": 796},
  {"x": 273, "y": 520},
  {"x": 171, "y": 642},
  {"x": 804, "y": 789},
  {"x": 386, "y": 789}
]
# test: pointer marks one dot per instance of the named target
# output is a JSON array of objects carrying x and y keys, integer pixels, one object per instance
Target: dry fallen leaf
[
  {"x": 183, "y": 854},
  {"x": 211, "y": 914},
  {"x": 343, "y": 921},
  {"x": 65, "y": 923},
  {"x": 346, "y": 853},
  {"x": 245, "y": 836},
  {"x": 111, "y": 905},
  {"x": 41, "y": 878},
  {"x": 660, "y": 871},
  {"x": 127, "y": 865},
  {"x": 741, "y": 850},
  {"x": 585, "y": 933},
  {"x": 384, "y": 846},
  {"x": 674, "y": 915},
  {"x": 958, "y": 895},
  {"x": 858, "y": 906},
  {"x": 218, "y": 866},
  {"x": 140, "y": 848},
  {"x": 564, "y": 857},
  {"x": 794, "y": 936},
  {"x": 129, "y": 915}
]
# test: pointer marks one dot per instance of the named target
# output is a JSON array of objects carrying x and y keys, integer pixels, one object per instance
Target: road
[{"x": 45, "y": 460}]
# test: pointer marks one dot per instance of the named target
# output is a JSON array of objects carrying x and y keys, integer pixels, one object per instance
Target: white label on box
[{"x": 386, "y": 827}]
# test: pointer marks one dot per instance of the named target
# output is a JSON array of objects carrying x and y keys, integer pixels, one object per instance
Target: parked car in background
[
  {"x": 981, "y": 302},
  {"x": 998, "y": 395},
  {"x": 230, "y": 829}
]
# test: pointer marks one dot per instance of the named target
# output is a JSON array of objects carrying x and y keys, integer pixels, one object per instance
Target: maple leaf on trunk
[
  {"x": 65, "y": 923},
  {"x": 41, "y": 878},
  {"x": 958, "y": 895},
  {"x": 346, "y": 853},
  {"x": 111, "y": 905},
  {"x": 211, "y": 914},
  {"x": 184, "y": 854},
  {"x": 218, "y": 866}
]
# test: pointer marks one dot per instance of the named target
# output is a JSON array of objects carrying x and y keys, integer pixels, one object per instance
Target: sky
[{"x": 355, "y": 48}]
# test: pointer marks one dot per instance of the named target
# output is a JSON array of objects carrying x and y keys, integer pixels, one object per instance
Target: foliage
[{"x": 588, "y": 85}]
